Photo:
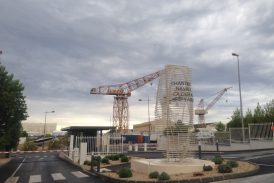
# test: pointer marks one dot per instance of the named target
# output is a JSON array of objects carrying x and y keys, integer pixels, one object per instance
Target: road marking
[
  {"x": 37, "y": 156},
  {"x": 258, "y": 157},
  {"x": 264, "y": 164},
  {"x": 35, "y": 178},
  {"x": 45, "y": 156},
  {"x": 41, "y": 158},
  {"x": 79, "y": 174},
  {"x": 12, "y": 180},
  {"x": 57, "y": 176},
  {"x": 18, "y": 168}
]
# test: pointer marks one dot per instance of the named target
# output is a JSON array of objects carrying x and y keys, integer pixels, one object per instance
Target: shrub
[
  {"x": 105, "y": 160},
  {"x": 121, "y": 155},
  {"x": 124, "y": 159},
  {"x": 154, "y": 175},
  {"x": 95, "y": 160},
  {"x": 87, "y": 162},
  {"x": 232, "y": 163},
  {"x": 54, "y": 144},
  {"x": 207, "y": 168},
  {"x": 163, "y": 176},
  {"x": 224, "y": 168},
  {"x": 125, "y": 173},
  {"x": 114, "y": 157},
  {"x": 195, "y": 174},
  {"x": 29, "y": 146},
  {"x": 218, "y": 160}
]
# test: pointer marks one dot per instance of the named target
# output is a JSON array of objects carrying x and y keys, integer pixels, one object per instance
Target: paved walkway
[
  {"x": 4, "y": 161},
  {"x": 265, "y": 178}
]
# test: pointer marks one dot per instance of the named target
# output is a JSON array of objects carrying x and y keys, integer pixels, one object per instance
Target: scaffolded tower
[{"x": 174, "y": 108}]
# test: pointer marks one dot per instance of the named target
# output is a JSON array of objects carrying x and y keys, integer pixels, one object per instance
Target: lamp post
[
  {"x": 1, "y": 52},
  {"x": 240, "y": 93},
  {"x": 148, "y": 113},
  {"x": 45, "y": 126}
]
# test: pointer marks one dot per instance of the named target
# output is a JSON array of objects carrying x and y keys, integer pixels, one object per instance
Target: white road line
[
  {"x": 258, "y": 157},
  {"x": 45, "y": 156},
  {"x": 37, "y": 156},
  {"x": 41, "y": 158},
  {"x": 35, "y": 178},
  {"x": 12, "y": 180},
  {"x": 18, "y": 168},
  {"x": 265, "y": 165},
  {"x": 57, "y": 176},
  {"x": 79, "y": 174}
]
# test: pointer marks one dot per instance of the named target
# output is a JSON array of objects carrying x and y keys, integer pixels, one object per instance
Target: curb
[
  {"x": 66, "y": 158},
  {"x": 191, "y": 180}
]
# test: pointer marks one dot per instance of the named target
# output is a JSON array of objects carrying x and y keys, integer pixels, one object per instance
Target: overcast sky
[{"x": 61, "y": 49}]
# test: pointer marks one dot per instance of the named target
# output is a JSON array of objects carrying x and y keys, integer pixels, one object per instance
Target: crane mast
[
  {"x": 201, "y": 110},
  {"x": 121, "y": 93}
]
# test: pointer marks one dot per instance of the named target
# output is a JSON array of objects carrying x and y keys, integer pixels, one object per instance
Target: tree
[
  {"x": 248, "y": 117},
  {"x": 269, "y": 111},
  {"x": 235, "y": 120},
  {"x": 220, "y": 127},
  {"x": 13, "y": 109},
  {"x": 259, "y": 114}
]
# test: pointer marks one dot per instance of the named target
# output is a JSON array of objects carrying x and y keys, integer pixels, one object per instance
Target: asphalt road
[
  {"x": 48, "y": 167},
  {"x": 43, "y": 167}
]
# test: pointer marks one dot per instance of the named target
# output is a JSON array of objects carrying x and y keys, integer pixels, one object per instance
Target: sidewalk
[
  {"x": 3, "y": 161},
  {"x": 265, "y": 178}
]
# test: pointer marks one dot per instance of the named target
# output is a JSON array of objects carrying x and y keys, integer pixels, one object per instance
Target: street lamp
[
  {"x": 45, "y": 126},
  {"x": 148, "y": 114},
  {"x": 1, "y": 52},
  {"x": 240, "y": 93}
]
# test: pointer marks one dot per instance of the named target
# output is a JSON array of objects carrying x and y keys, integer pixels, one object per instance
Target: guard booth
[{"x": 87, "y": 131}]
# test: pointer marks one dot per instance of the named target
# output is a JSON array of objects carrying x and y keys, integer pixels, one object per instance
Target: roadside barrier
[{"x": 21, "y": 152}]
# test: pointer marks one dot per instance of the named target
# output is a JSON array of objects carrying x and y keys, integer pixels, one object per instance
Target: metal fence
[
  {"x": 237, "y": 135},
  {"x": 261, "y": 131}
]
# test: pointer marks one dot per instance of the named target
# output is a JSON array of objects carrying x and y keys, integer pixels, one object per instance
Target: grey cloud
[{"x": 61, "y": 49}]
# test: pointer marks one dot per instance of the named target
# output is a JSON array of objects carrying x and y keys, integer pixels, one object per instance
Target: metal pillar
[{"x": 120, "y": 113}]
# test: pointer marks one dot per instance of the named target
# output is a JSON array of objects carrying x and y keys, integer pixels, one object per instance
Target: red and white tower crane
[
  {"x": 201, "y": 110},
  {"x": 121, "y": 93}
]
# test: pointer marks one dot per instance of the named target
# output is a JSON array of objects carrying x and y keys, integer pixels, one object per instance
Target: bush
[
  {"x": 87, "y": 163},
  {"x": 218, "y": 160},
  {"x": 207, "y": 168},
  {"x": 232, "y": 163},
  {"x": 224, "y": 168},
  {"x": 124, "y": 159},
  {"x": 125, "y": 173},
  {"x": 114, "y": 157},
  {"x": 163, "y": 176},
  {"x": 54, "y": 144},
  {"x": 95, "y": 160},
  {"x": 154, "y": 175},
  {"x": 121, "y": 155},
  {"x": 29, "y": 146},
  {"x": 105, "y": 160}
]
